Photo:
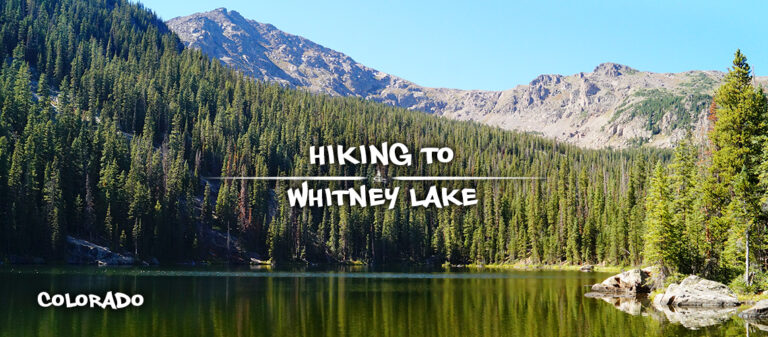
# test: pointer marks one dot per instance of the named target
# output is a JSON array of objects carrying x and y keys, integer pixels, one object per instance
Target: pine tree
[
  {"x": 683, "y": 195},
  {"x": 736, "y": 137},
  {"x": 110, "y": 228},
  {"x": 146, "y": 121},
  {"x": 206, "y": 213},
  {"x": 54, "y": 205},
  {"x": 661, "y": 240}
]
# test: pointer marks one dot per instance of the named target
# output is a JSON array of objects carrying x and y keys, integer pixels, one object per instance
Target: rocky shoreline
[
  {"x": 695, "y": 302},
  {"x": 79, "y": 251}
]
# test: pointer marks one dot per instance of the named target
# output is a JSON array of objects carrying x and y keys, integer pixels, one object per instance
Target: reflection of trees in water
[{"x": 332, "y": 303}]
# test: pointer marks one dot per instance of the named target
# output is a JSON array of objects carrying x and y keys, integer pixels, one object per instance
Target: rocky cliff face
[{"x": 612, "y": 106}]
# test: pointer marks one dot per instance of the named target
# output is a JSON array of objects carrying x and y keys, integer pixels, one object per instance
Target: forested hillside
[
  {"x": 108, "y": 127},
  {"x": 707, "y": 211}
]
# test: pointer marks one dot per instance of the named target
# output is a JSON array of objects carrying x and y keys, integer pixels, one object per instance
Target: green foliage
[
  {"x": 656, "y": 103},
  {"x": 758, "y": 284},
  {"x": 717, "y": 211},
  {"x": 674, "y": 278},
  {"x": 700, "y": 82},
  {"x": 661, "y": 238},
  {"x": 134, "y": 123},
  {"x": 672, "y": 237},
  {"x": 735, "y": 187}
]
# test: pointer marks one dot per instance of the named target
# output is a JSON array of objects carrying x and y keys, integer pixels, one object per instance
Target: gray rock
[
  {"x": 587, "y": 268},
  {"x": 84, "y": 252},
  {"x": 695, "y": 291},
  {"x": 628, "y": 282},
  {"x": 757, "y": 311}
]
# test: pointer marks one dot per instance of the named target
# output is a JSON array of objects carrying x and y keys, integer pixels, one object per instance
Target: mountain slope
[
  {"x": 614, "y": 105},
  {"x": 113, "y": 140}
]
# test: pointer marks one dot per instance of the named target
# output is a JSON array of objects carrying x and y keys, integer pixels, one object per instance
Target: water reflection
[
  {"x": 753, "y": 325},
  {"x": 696, "y": 318},
  {"x": 697, "y": 321},
  {"x": 629, "y": 304},
  {"x": 315, "y": 302}
]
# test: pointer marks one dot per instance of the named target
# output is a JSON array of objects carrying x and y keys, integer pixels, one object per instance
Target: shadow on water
[{"x": 317, "y": 301}]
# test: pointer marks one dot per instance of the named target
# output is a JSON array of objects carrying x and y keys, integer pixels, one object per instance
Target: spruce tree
[
  {"x": 737, "y": 136},
  {"x": 661, "y": 240}
]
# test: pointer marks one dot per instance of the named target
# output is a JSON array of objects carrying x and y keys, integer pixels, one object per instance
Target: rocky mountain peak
[
  {"x": 613, "y": 69},
  {"x": 546, "y": 79},
  {"x": 222, "y": 15},
  {"x": 226, "y": 12},
  {"x": 606, "y": 107}
]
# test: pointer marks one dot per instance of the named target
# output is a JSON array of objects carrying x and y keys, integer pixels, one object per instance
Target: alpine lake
[{"x": 341, "y": 301}]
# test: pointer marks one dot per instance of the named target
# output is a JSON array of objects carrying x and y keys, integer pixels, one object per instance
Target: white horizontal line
[
  {"x": 344, "y": 178},
  {"x": 336, "y": 178},
  {"x": 466, "y": 178}
]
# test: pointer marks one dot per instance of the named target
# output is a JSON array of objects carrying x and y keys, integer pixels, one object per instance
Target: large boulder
[
  {"x": 627, "y": 283},
  {"x": 695, "y": 291},
  {"x": 758, "y": 311}
]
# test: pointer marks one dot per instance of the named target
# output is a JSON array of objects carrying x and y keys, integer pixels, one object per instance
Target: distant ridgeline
[
  {"x": 614, "y": 105},
  {"x": 108, "y": 127}
]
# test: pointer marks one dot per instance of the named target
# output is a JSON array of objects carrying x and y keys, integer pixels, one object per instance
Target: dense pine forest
[{"x": 109, "y": 128}]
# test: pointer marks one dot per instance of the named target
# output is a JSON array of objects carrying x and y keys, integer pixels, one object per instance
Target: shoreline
[
  {"x": 354, "y": 263},
  {"x": 544, "y": 267}
]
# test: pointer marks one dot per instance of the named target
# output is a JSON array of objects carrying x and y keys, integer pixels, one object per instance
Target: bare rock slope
[{"x": 614, "y": 105}]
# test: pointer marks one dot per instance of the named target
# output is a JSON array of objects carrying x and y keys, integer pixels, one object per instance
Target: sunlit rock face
[
  {"x": 695, "y": 291},
  {"x": 612, "y": 106},
  {"x": 626, "y": 283}
]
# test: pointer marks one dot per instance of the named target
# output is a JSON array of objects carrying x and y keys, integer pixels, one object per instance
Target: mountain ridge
[{"x": 612, "y": 106}]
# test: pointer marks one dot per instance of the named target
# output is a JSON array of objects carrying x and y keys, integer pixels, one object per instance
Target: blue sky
[{"x": 499, "y": 44}]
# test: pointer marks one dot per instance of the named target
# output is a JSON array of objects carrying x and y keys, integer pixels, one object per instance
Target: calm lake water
[{"x": 220, "y": 301}]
